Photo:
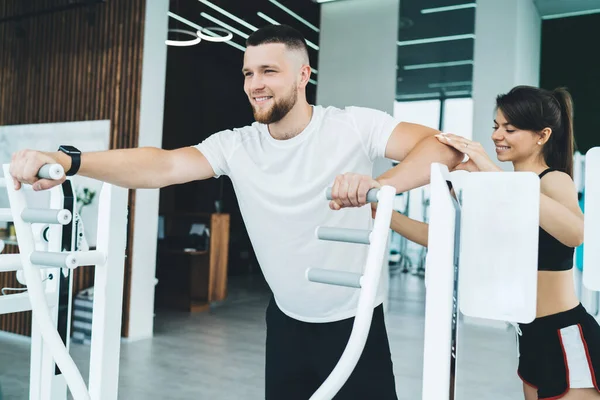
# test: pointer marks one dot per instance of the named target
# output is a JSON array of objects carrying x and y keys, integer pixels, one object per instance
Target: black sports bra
[{"x": 552, "y": 254}]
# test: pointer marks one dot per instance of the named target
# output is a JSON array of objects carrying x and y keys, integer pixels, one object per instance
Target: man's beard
[{"x": 279, "y": 109}]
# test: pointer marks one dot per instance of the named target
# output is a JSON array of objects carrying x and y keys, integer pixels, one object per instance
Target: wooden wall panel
[{"x": 75, "y": 65}]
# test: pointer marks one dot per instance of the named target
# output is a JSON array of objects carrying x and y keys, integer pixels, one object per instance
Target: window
[
  {"x": 425, "y": 112},
  {"x": 458, "y": 117}
]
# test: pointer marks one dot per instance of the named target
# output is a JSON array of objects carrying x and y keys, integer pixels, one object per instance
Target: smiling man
[{"x": 280, "y": 167}]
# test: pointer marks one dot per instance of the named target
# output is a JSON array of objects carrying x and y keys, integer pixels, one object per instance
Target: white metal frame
[
  {"x": 368, "y": 283},
  {"x": 44, "y": 383},
  {"x": 591, "y": 253},
  {"x": 47, "y": 346},
  {"x": 442, "y": 275}
]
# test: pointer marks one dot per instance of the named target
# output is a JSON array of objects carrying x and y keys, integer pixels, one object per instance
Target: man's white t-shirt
[{"x": 280, "y": 186}]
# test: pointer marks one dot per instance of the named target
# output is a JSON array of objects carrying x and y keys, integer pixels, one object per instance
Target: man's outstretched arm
[{"x": 145, "y": 167}]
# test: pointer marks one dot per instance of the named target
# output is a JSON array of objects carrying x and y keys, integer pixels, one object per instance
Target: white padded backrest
[
  {"x": 499, "y": 243},
  {"x": 591, "y": 236}
]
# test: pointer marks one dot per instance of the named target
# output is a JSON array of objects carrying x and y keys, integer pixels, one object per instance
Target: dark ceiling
[
  {"x": 248, "y": 12},
  {"x": 415, "y": 80}
]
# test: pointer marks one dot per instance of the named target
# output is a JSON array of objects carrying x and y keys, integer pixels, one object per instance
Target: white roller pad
[{"x": 499, "y": 243}]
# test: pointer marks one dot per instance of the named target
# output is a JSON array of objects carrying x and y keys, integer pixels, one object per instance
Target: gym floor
[{"x": 220, "y": 355}]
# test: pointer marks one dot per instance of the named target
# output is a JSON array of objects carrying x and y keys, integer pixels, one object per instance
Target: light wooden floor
[{"x": 220, "y": 355}]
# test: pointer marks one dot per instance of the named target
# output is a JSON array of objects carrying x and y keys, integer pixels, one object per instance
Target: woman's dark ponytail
[{"x": 559, "y": 154}]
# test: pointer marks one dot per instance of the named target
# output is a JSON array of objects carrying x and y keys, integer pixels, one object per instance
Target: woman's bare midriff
[{"x": 555, "y": 292}]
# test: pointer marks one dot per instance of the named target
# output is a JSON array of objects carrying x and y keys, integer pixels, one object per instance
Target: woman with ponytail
[{"x": 560, "y": 350}]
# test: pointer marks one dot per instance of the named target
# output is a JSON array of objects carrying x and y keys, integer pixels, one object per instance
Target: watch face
[{"x": 70, "y": 149}]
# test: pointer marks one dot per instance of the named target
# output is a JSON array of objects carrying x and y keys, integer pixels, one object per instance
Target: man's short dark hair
[{"x": 285, "y": 34}]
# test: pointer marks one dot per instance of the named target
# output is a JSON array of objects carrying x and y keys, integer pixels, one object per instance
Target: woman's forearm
[{"x": 413, "y": 230}]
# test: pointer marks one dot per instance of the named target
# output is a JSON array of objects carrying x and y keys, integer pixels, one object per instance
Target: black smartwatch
[{"x": 75, "y": 155}]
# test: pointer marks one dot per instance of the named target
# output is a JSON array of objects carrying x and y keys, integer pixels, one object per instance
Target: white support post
[
  {"x": 591, "y": 253},
  {"x": 108, "y": 294},
  {"x": 438, "y": 356},
  {"x": 44, "y": 383}
]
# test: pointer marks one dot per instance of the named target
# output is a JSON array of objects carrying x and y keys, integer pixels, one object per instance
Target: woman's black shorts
[{"x": 559, "y": 352}]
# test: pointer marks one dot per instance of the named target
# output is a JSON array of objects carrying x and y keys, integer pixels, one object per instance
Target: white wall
[
  {"x": 357, "y": 59},
  {"x": 529, "y": 41},
  {"x": 141, "y": 310},
  {"x": 507, "y": 54},
  {"x": 358, "y": 56}
]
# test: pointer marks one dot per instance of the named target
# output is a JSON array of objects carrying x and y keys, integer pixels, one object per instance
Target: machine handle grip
[
  {"x": 51, "y": 171},
  {"x": 371, "y": 195}
]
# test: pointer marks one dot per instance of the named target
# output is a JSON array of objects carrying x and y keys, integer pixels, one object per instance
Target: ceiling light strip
[
  {"x": 448, "y": 8},
  {"x": 223, "y": 24},
  {"x": 571, "y": 14},
  {"x": 267, "y": 18},
  {"x": 418, "y": 96},
  {"x": 436, "y": 39},
  {"x": 293, "y": 14},
  {"x": 449, "y": 84},
  {"x": 459, "y": 93},
  {"x": 237, "y": 46},
  {"x": 438, "y": 65},
  {"x": 432, "y": 95},
  {"x": 229, "y": 15},
  {"x": 185, "y": 21}
]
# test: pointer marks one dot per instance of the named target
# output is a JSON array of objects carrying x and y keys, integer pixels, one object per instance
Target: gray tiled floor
[{"x": 219, "y": 355}]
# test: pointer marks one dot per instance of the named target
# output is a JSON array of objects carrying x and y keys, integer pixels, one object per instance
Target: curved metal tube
[
  {"x": 366, "y": 301},
  {"x": 39, "y": 306}
]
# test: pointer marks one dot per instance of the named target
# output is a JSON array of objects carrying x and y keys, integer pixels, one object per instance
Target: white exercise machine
[
  {"x": 491, "y": 212},
  {"x": 46, "y": 239},
  {"x": 482, "y": 260}
]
